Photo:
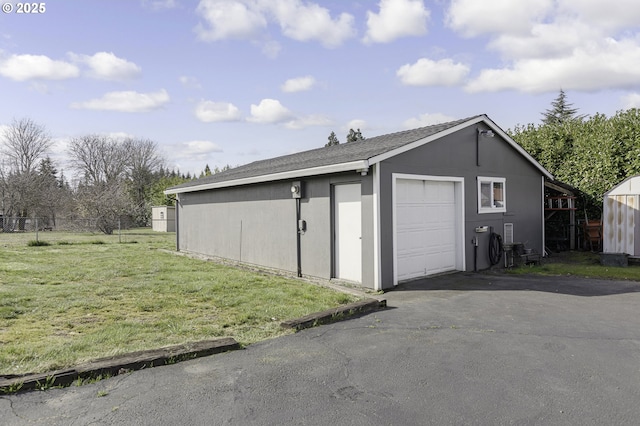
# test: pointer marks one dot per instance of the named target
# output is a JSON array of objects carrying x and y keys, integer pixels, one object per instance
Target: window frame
[{"x": 492, "y": 181}]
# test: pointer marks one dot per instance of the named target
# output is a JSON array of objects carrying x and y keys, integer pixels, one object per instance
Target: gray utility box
[{"x": 614, "y": 259}]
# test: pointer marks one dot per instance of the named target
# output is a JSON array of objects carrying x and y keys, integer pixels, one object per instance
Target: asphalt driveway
[{"x": 458, "y": 349}]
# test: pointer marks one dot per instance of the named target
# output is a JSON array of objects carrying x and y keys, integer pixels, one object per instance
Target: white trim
[
  {"x": 492, "y": 180},
  {"x": 314, "y": 171},
  {"x": 377, "y": 285},
  {"x": 459, "y": 197}
]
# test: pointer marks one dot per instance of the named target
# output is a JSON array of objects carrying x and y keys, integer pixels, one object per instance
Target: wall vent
[{"x": 508, "y": 233}]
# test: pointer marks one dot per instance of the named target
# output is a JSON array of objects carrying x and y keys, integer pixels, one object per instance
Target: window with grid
[{"x": 492, "y": 195}]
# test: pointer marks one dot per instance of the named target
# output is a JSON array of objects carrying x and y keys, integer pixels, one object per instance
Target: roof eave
[{"x": 359, "y": 165}]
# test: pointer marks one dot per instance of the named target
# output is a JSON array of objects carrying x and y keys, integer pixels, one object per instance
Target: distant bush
[{"x": 37, "y": 243}]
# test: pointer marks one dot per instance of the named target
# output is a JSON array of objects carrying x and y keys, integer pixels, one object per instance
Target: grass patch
[
  {"x": 75, "y": 301},
  {"x": 580, "y": 264}
]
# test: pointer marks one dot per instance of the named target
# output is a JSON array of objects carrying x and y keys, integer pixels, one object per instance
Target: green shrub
[{"x": 37, "y": 243}]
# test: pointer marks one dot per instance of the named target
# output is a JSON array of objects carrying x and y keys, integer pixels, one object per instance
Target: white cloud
[
  {"x": 36, "y": 67},
  {"x": 356, "y": 124},
  {"x": 269, "y": 111},
  {"x": 632, "y": 100},
  {"x": 107, "y": 66},
  {"x": 308, "y": 121},
  {"x": 196, "y": 150},
  {"x": 472, "y": 17},
  {"x": 426, "y": 72},
  {"x": 229, "y": 19},
  {"x": 213, "y": 112},
  {"x": 584, "y": 45},
  {"x": 611, "y": 64},
  {"x": 189, "y": 82},
  {"x": 427, "y": 119},
  {"x": 397, "y": 18},
  {"x": 248, "y": 19},
  {"x": 603, "y": 13},
  {"x": 309, "y": 21},
  {"x": 546, "y": 40},
  {"x": 299, "y": 84},
  {"x": 127, "y": 101}
]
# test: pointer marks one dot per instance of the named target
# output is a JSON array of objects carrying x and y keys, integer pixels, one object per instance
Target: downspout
[
  {"x": 477, "y": 147},
  {"x": 298, "y": 230},
  {"x": 177, "y": 222}
]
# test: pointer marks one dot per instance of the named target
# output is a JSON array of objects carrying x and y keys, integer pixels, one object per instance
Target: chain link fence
[
  {"x": 60, "y": 229},
  {"x": 28, "y": 224}
]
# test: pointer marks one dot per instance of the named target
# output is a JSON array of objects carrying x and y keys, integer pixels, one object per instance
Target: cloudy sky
[{"x": 232, "y": 81}]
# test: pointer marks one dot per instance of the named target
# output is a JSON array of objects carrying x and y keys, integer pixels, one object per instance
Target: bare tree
[
  {"x": 98, "y": 158},
  {"x": 107, "y": 203},
  {"x": 143, "y": 162},
  {"x": 24, "y": 143},
  {"x": 116, "y": 178}
]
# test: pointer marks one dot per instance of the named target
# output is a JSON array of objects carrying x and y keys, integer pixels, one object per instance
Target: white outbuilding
[
  {"x": 621, "y": 213},
  {"x": 163, "y": 218}
]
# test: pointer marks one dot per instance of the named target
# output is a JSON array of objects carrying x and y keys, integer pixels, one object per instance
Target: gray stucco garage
[{"x": 376, "y": 212}]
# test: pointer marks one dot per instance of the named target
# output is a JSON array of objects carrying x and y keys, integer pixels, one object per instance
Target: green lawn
[
  {"x": 579, "y": 263},
  {"x": 88, "y": 296}
]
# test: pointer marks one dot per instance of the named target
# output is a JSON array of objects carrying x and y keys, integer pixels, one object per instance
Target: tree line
[
  {"x": 114, "y": 180},
  {"x": 592, "y": 154}
]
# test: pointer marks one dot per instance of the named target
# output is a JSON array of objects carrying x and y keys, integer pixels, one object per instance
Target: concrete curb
[
  {"x": 335, "y": 314},
  {"x": 118, "y": 364}
]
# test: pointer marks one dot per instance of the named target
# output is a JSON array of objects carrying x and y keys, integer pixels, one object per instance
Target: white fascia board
[{"x": 292, "y": 174}]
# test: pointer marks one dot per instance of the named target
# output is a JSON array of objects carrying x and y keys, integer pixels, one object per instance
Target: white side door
[{"x": 347, "y": 232}]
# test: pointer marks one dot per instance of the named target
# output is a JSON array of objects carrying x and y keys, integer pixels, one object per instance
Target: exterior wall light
[{"x": 487, "y": 133}]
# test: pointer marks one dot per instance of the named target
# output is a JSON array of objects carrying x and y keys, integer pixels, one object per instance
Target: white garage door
[{"x": 426, "y": 235}]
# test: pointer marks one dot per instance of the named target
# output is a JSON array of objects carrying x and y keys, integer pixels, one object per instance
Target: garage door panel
[
  {"x": 413, "y": 267},
  {"x": 425, "y": 227}
]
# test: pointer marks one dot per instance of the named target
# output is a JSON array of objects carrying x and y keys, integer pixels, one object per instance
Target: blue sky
[{"x": 233, "y": 81}]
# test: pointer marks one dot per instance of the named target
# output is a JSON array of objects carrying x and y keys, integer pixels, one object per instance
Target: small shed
[
  {"x": 621, "y": 214},
  {"x": 163, "y": 218}
]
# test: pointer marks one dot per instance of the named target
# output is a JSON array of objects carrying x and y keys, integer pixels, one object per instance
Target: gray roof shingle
[{"x": 336, "y": 154}]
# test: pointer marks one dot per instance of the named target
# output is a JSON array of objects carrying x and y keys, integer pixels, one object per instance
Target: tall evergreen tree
[
  {"x": 333, "y": 140},
  {"x": 561, "y": 111},
  {"x": 354, "y": 135}
]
